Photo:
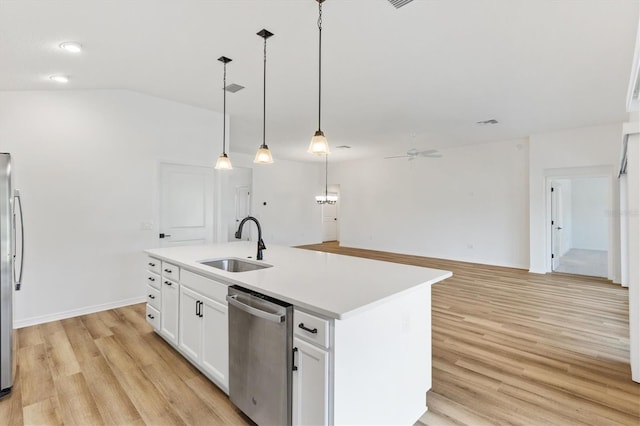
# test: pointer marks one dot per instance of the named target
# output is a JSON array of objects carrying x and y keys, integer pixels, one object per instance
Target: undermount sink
[{"x": 233, "y": 264}]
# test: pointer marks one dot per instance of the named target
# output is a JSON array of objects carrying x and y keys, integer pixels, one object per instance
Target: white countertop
[{"x": 331, "y": 285}]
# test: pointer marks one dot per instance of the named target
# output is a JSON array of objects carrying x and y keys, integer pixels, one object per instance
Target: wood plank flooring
[
  {"x": 108, "y": 368},
  {"x": 509, "y": 347}
]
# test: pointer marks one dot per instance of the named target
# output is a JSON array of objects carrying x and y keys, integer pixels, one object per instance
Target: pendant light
[
  {"x": 223, "y": 162},
  {"x": 319, "y": 144},
  {"x": 263, "y": 156},
  {"x": 326, "y": 198}
]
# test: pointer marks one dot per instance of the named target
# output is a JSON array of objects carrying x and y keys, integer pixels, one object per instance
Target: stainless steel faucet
[{"x": 261, "y": 245}]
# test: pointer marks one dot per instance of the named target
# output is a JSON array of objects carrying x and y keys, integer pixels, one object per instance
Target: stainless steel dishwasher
[{"x": 260, "y": 356}]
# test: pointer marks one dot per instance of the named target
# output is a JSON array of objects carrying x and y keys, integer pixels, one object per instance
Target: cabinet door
[
  {"x": 215, "y": 341},
  {"x": 169, "y": 313},
  {"x": 190, "y": 323},
  {"x": 310, "y": 385}
]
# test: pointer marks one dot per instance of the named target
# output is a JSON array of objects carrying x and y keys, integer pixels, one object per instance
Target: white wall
[
  {"x": 470, "y": 205},
  {"x": 590, "y": 207},
  {"x": 585, "y": 151},
  {"x": 291, "y": 216},
  {"x": 87, "y": 164}
]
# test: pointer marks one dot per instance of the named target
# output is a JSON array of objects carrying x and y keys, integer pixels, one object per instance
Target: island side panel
[{"x": 382, "y": 362}]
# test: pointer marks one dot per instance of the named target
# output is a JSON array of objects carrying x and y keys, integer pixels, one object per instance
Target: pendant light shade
[
  {"x": 263, "y": 156},
  {"x": 319, "y": 144},
  {"x": 223, "y": 162}
]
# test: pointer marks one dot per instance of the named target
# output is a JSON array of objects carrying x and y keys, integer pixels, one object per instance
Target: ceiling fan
[{"x": 413, "y": 153}]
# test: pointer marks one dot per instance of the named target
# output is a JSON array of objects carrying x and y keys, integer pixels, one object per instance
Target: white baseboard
[{"x": 77, "y": 312}]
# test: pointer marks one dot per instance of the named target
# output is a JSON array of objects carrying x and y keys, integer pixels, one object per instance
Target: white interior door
[
  {"x": 234, "y": 202},
  {"x": 556, "y": 225},
  {"x": 186, "y": 205},
  {"x": 329, "y": 222},
  {"x": 243, "y": 206}
]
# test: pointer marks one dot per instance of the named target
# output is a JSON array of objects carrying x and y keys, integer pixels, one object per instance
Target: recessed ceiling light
[
  {"x": 59, "y": 78},
  {"x": 71, "y": 46}
]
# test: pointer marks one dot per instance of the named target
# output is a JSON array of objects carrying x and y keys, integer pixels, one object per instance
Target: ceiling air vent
[
  {"x": 487, "y": 122},
  {"x": 233, "y": 88},
  {"x": 399, "y": 3}
]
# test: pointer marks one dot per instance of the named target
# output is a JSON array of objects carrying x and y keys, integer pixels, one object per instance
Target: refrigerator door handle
[{"x": 18, "y": 281}]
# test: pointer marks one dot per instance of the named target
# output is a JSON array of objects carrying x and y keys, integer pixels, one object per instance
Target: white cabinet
[
  {"x": 153, "y": 317},
  {"x": 190, "y": 324},
  {"x": 153, "y": 292},
  {"x": 170, "y": 297},
  {"x": 310, "y": 384},
  {"x": 204, "y": 336},
  {"x": 311, "y": 356},
  {"x": 215, "y": 341},
  {"x": 153, "y": 265}
]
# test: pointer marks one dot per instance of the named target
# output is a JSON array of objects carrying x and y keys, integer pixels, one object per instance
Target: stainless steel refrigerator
[{"x": 11, "y": 242}]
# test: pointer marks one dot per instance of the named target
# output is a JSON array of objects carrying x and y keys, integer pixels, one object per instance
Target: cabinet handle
[
  {"x": 197, "y": 308},
  {"x": 150, "y": 316},
  {"x": 151, "y": 279},
  {"x": 152, "y": 264},
  {"x": 168, "y": 271},
  {"x": 314, "y": 331},
  {"x": 294, "y": 367},
  {"x": 167, "y": 282},
  {"x": 151, "y": 296}
]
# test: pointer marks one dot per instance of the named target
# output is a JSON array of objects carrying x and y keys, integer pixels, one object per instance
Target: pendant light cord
[
  {"x": 224, "y": 109},
  {"x": 264, "y": 96},
  {"x": 319, "y": 60}
]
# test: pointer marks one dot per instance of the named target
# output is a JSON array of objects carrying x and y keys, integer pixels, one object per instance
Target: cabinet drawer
[
  {"x": 153, "y": 317},
  {"x": 167, "y": 282},
  {"x": 170, "y": 271},
  {"x": 153, "y": 297},
  {"x": 153, "y": 265},
  {"x": 311, "y": 328},
  {"x": 153, "y": 280},
  {"x": 205, "y": 286}
]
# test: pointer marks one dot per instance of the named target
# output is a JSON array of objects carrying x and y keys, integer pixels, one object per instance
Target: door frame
[{"x": 608, "y": 172}]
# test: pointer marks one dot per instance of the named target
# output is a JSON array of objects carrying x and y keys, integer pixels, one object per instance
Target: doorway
[
  {"x": 580, "y": 225},
  {"x": 186, "y": 205},
  {"x": 330, "y": 223},
  {"x": 235, "y": 202}
]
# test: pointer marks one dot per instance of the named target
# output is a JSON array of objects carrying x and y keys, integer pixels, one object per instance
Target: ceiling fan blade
[
  {"x": 434, "y": 155},
  {"x": 428, "y": 151},
  {"x": 397, "y": 156}
]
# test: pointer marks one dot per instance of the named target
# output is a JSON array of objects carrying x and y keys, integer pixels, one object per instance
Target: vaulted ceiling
[{"x": 420, "y": 76}]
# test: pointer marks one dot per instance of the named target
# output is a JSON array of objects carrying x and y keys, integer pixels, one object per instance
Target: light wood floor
[{"x": 509, "y": 347}]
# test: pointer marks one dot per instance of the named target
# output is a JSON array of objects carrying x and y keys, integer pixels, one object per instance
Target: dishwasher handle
[{"x": 233, "y": 300}]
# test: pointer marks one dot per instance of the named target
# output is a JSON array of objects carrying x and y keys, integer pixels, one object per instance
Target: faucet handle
[{"x": 261, "y": 245}]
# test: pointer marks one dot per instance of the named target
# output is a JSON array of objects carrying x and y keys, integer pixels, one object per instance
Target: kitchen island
[{"x": 369, "y": 360}]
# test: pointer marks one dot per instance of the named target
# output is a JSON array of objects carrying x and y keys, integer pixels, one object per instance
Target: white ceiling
[{"x": 419, "y": 76}]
